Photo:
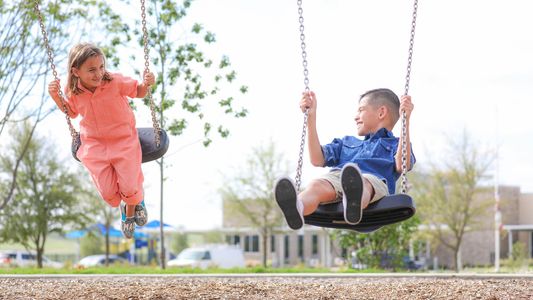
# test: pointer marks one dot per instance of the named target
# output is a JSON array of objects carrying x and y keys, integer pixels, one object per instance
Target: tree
[
  {"x": 24, "y": 62},
  {"x": 196, "y": 80},
  {"x": 448, "y": 196},
  {"x": 48, "y": 197},
  {"x": 106, "y": 215},
  {"x": 384, "y": 248},
  {"x": 249, "y": 196}
]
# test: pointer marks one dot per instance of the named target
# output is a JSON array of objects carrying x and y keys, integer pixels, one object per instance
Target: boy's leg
[
  {"x": 285, "y": 194},
  {"x": 294, "y": 206},
  {"x": 353, "y": 192},
  {"x": 317, "y": 192}
]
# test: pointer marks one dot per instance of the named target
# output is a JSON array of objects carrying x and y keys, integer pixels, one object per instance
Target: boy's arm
[
  {"x": 315, "y": 149},
  {"x": 148, "y": 80},
  {"x": 407, "y": 106}
]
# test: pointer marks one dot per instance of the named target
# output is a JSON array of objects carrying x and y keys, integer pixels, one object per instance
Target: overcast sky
[{"x": 472, "y": 69}]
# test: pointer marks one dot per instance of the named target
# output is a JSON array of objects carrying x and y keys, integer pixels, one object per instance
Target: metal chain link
[
  {"x": 73, "y": 133},
  {"x": 298, "y": 178},
  {"x": 155, "y": 123},
  {"x": 406, "y": 92}
]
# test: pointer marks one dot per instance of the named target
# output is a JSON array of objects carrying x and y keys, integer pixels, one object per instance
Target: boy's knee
[{"x": 320, "y": 185}]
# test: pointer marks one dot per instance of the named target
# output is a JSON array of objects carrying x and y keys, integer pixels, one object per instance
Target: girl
[{"x": 110, "y": 148}]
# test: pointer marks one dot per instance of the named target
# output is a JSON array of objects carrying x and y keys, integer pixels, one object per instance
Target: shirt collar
[
  {"x": 381, "y": 133},
  {"x": 81, "y": 87}
]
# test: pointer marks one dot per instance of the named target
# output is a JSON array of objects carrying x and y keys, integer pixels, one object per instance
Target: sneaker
[
  {"x": 286, "y": 196},
  {"x": 127, "y": 224},
  {"x": 141, "y": 214},
  {"x": 352, "y": 187}
]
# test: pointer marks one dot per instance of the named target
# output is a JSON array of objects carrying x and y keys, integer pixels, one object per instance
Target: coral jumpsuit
[{"x": 110, "y": 147}]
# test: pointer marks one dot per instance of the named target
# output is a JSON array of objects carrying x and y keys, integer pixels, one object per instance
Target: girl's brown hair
[{"x": 77, "y": 56}]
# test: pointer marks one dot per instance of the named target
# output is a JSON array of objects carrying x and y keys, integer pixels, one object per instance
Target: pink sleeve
[
  {"x": 127, "y": 85},
  {"x": 72, "y": 104}
]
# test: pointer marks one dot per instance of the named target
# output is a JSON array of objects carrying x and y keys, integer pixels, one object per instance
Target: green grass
[{"x": 157, "y": 270}]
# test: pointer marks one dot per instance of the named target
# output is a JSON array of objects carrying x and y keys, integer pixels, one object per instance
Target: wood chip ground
[{"x": 168, "y": 287}]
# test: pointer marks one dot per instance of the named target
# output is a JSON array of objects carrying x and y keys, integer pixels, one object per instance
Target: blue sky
[{"x": 472, "y": 70}]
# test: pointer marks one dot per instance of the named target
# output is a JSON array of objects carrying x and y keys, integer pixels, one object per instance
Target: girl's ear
[{"x": 74, "y": 72}]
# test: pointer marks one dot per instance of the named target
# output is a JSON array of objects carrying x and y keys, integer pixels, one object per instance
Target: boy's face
[{"x": 367, "y": 118}]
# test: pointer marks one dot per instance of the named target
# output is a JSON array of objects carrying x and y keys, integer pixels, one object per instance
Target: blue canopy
[
  {"x": 156, "y": 224},
  {"x": 100, "y": 228}
]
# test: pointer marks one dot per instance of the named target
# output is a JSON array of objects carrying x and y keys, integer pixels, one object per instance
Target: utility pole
[{"x": 497, "y": 212}]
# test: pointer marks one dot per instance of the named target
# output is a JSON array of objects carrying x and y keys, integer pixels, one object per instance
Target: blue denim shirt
[{"x": 374, "y": 155}]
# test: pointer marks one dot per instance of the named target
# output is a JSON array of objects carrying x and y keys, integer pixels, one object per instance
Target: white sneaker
[
  {"x": 286, "y": 196},
  {"x": 352, "y": 190}
]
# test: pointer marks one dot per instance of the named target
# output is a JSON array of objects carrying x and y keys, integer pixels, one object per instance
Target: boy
[{"x": 363, "y": 171}]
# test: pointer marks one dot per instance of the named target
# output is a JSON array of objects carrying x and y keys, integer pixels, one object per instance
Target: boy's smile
[{"x": 366, "y": 118}]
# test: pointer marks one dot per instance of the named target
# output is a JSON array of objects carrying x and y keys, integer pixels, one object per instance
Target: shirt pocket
[
  {"x": 385, "y": 149},
  {"x": 350, "y": 151}
]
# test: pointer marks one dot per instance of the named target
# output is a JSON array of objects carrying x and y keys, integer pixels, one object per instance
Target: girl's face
[{"x": 91, "y": 72}]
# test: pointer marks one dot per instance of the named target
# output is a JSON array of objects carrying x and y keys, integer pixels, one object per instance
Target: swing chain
[
  {"x": 298, "y": 178},
  {"x": 404, "y": 118},
  {"x": 155, "y": 123},
  {"x": 73, "y": 133}
]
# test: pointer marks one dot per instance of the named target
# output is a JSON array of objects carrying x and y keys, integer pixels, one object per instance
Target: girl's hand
[
  {"x": 149, "y": 78},
  {"x": 53, "y": 88},
  {"x": 406, "y": 105}
]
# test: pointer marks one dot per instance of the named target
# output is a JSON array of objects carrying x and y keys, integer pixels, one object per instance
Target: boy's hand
[
  {"x": 308, "y": 102},
  {"x": 149, "y": 78},
  {"x": 406, "y": 105}
]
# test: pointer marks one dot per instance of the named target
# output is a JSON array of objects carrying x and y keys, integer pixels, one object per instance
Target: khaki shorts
[{"x": 334, "y": 178}]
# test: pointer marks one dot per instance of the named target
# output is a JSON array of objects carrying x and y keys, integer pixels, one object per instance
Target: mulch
[{"x": 263, "y": 287}]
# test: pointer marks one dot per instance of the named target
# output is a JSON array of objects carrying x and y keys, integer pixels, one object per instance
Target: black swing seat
[
  {"x": 147, "y": 139},
  {"x": 391, "y": 209}
]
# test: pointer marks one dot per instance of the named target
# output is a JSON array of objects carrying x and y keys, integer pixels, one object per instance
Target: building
[{"x": 312, "y": 246}]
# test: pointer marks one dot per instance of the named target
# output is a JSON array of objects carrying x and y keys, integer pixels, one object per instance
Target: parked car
[
  {"x": 99, "y": 260},
  {"x": 220, "y": 256},
  {"x": 21, "y": 258}
]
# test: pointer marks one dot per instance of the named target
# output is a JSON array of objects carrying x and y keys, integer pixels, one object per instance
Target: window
[
  {"x": 255, "y": 243},
  {"x": 531, "y": 245},
  {"x": 314, "y": 244},
  {"x": 301, "y": 246},
  {"x": 247, "y": 243},
  {"x": 286, "y": 241},
  {"x": 272, "y": 243},
  {"x": 233, "y": 239}
]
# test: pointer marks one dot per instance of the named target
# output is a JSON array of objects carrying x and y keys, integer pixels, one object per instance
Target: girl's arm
[
  {"x": 148, "y": 80},
  {"x": 53, "y": 90}
]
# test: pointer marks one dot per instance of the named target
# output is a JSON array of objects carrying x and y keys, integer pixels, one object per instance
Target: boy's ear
[{"x": 382, "y": 112}]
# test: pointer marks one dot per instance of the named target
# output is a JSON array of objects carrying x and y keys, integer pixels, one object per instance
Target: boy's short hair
[{"x": 384, "y": 97}]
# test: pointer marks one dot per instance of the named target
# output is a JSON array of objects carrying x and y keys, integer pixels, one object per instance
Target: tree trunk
[
  {"x": 265, "y": 237},
  {"x": 457, "y": 258},
  {"x": 107, "y": 245},
  {"x": 40, "y": 257}
]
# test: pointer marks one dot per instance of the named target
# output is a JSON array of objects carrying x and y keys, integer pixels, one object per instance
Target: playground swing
[
  {"x": 390, "y": 209},
  {"x": 154, "y": 141}
]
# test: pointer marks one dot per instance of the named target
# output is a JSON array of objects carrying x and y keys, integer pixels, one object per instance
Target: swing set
[
  {"x": 154, "y": 141},
  {"x": 390, "y": 209}
]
